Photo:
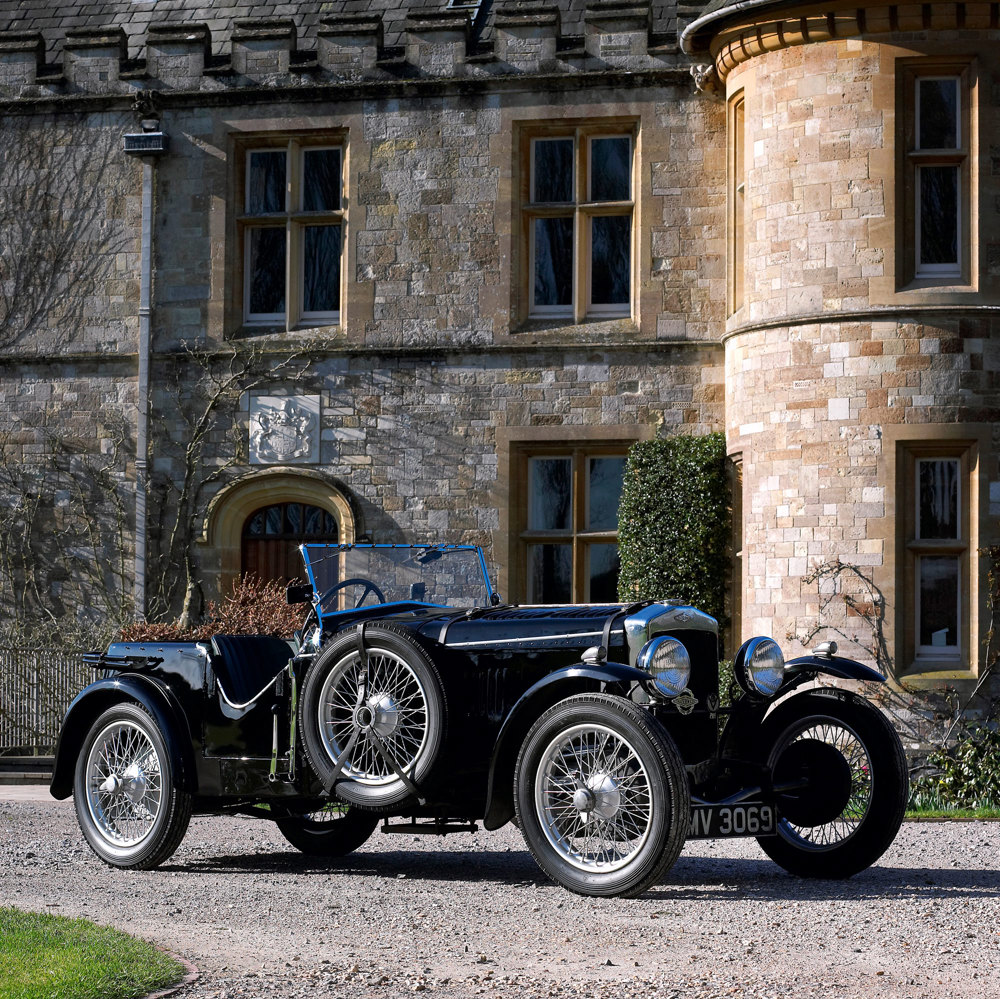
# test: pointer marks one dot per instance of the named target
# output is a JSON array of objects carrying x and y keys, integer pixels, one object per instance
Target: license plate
[{"x": 718, "y": 821}]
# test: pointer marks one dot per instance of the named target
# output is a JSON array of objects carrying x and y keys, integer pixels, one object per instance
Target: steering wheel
[{"x": 369, "y": 587}]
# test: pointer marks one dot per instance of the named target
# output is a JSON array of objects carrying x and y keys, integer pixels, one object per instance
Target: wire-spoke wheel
[
  {"x": 332, "y": 831},
  {"x": 373, "y": 728},
  {"x": 840, "y": 775},
  {"x": 601, "y": 796},
  {"x": 128, "y": 808}
]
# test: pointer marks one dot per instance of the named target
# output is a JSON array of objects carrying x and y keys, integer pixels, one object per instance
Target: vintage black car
[{"x": 414, "y": 697}]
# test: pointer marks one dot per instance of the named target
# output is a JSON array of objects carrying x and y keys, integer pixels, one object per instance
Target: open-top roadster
[{"x": 416, "y": 698}]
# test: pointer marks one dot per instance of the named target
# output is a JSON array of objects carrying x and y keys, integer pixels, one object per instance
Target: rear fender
[
  {"x": 103, "y": 694},
  {"x": 582, "y": 679},
  {"x": 739, "y": 739}
]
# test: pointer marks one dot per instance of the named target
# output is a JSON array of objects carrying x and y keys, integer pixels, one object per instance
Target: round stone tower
[{"x": 863, "y": 331}]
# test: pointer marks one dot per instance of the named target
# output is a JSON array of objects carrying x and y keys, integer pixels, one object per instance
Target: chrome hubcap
[
  {"x": 600, "y": 797},
  {"x": 378, "y": 713}
]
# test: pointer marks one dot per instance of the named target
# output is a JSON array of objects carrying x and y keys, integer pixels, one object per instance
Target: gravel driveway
[{"x": 472, "y": 915}]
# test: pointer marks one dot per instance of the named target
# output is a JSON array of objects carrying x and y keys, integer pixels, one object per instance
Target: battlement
[{"x": 524, "y": 38}]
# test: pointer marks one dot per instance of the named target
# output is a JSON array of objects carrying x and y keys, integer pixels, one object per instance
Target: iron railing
[{"x": 35, "y": 690}]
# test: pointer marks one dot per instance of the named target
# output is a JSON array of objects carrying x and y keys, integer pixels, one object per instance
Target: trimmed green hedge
[{"x": 674, "y": 522}]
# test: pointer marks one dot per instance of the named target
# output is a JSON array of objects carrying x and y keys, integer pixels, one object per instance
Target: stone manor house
[{"x": 424, "y": 271}]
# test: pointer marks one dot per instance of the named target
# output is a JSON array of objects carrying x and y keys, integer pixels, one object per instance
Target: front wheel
[
  {"x": 840, "y": 773},
  {"x": 129, "y": 809},
  {"x": 333, "y": 831},
  {"x": 601, "y": 796}
]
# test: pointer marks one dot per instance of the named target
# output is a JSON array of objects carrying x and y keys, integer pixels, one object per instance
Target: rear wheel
[
  {"x": 374, "y": 731},
  {"x": 332, "y": 831},
  {"x": 128, "y": 806},
  {"x": 601, "y": 796},
  {"x": 841, "y": 777}
]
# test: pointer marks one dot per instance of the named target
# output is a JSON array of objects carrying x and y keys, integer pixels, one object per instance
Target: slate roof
[{"x": 55, "y": 19}]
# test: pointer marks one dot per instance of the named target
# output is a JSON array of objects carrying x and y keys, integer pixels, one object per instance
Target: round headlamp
[
  {"x": 668, "y": 663},
  {"x": 759, "y": 666}
]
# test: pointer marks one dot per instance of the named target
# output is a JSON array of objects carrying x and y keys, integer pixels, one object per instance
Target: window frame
[
  {"x": 294, "y": 220},
  {"x": 583, "y": 210},
  {"x": 915, "y": 160},
  {"x": 578, "y": 537},
  {"x": 736, "y": 283},
  {"x": 918, "y": 657}
]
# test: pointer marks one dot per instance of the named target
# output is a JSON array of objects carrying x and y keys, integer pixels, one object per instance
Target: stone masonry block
[
  {"x": 176, "y": 54},
  {"x": 436, "y": 42},
  {"x": 348, "y": 45},
  {"x": 22, "y": 54},
  {"x": 92, "y": 58},
  {"x": 617, "y": 31},
  {"x": 526, "y": 35},
  {"x": 263, "y": 47}
]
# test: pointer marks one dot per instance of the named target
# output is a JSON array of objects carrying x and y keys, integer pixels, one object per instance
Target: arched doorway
[
  {"x": 231, "y": 514},
  {"x": 272, "y": 535}
]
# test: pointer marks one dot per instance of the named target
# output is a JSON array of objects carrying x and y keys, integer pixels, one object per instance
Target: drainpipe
[{"x": 147, "y": 144}]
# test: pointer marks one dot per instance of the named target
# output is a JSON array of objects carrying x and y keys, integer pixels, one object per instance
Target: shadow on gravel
[
  {"x": 503, "y": 867},
  {"x": 699, "y": 878},
  {"x": 691, "y": 879}
]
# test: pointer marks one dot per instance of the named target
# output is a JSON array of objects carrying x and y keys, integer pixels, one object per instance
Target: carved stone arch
[{"x": 222, "y": 527}]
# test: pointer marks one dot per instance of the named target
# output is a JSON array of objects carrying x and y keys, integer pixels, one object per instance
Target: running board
[{"x": 434, "y": 827}]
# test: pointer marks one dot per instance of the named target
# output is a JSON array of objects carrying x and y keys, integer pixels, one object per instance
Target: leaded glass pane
[
  {"x": 320, "y": 180},
  {"x": 938, "y": 591},
  {"x": 604, "y": 493},
  {"x": 937, "y": 124},
  {"x": 293, "y": 518},
  {"x": 552, "y": 171},
  {"x": 273, "y": 521},
  {"x": 266, "y": 271},
  {"x": 611, "y": 169},
  {"x": 611, "y": 260},
  {"x": 266, "y": 182},
  {"x": 554, "y": 261},
  {"x": 550, "y": 494},
  {"x": 938, "y": 214},
  {"x": 603, "y": 567},
  {"x": 937, "y": 488},
  {"x": 313, "y": 520},
  {"x": 321, "y": 269},
  {"x": 255, "y": 525},
  {"x": 550, "y": 574}
]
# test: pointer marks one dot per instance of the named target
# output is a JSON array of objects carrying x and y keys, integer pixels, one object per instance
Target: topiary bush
[{"x": 674, "y": 522}]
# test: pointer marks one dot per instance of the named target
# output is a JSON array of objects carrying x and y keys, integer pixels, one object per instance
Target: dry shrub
[{"x": 252, "y": 607}]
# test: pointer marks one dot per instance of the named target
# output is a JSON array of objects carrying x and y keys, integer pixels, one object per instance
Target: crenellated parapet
[{"x": 526, "y": 38}]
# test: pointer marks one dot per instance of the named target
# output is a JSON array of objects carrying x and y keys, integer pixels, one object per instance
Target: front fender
[
  {"x": 101, "y": 695},
  {"x": 554, "y": 687},
  {"x": 845, "y": 669}
]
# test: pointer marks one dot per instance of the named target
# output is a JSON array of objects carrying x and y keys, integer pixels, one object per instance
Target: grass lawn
[
  {"x": 952, "y": 813},
  {"x": 45, "y": 956}
]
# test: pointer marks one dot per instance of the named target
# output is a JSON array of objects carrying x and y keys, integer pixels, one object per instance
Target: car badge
[{"x": 685, "y": 701}]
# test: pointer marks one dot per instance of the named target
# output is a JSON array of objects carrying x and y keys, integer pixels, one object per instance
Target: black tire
[
  {"x": 403, "y": 704},
  {"x": 333, "y": 831},
  {"x": 844, "y": 819},
  {"x": 601, "y": 796},
  {"x": 127, "y": 803}
]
